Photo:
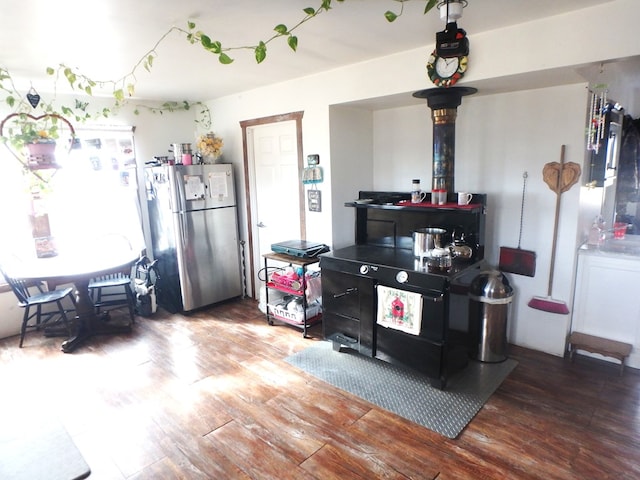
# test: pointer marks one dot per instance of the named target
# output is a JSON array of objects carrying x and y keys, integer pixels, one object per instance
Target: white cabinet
[{"x": 607, "y": 299}]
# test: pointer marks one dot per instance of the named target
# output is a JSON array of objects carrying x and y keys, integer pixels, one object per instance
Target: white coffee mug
[
  {"x": 417, "y": 196},
  {"x": 464, "y": 198}
]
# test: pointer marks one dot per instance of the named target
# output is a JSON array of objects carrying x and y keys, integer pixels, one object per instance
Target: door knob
[{"x": 261, "y": 225}]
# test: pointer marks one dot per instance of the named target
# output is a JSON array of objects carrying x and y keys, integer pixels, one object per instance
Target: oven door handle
[{"x": 348, "y": 291}]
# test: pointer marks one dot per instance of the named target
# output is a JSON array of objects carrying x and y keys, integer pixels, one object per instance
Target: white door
[{"x": 276, "y": 201}]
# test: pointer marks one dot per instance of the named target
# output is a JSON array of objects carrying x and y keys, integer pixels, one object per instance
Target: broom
[{"x": 560, "y": 177}]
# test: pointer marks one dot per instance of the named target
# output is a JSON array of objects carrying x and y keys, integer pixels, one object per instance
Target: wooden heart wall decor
[{"x": 561, "y": 176}]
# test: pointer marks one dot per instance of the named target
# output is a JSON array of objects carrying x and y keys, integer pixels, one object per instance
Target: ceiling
[{"x": 105, "y": 39}]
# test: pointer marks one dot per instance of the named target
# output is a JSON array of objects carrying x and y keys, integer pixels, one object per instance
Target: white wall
[
  {"x": 531, "y": 101},
  {"x": 352, "y": 149},
  {"x": 498, "y": 138}
]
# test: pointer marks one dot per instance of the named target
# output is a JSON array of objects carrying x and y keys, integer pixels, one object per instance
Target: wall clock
[{"x": 446, "y": 71}]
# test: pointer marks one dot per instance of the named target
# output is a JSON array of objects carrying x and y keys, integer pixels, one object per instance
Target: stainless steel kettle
[
  {"x": 460, "y": 250},
  {"x": 459, "y": 247}
]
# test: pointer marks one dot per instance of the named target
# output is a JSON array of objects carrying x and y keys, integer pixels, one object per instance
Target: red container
[{"x": 619, "y": 230}]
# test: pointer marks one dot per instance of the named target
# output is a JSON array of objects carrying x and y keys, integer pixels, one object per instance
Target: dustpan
[
  {"x": 560, "y": 177},
  {"x": 518, "y": 260}
]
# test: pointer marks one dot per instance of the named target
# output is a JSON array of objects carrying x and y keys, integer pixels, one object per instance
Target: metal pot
[
  {"x": 179, "y": 148},
  {"x": 426, "y": 239}
]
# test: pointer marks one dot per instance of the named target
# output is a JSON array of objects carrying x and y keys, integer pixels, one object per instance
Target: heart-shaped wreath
[{"x": 31, "y": 134}]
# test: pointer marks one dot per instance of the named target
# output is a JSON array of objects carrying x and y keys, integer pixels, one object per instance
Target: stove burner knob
[
  {"x": 402, "y": 276},
  {"x": 364, "y": 269}
]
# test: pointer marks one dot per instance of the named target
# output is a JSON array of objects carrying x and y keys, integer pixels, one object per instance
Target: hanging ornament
[
  {"x": 595, "y": 128},
  {"x": 596, "y": 119},
  {"x": 33, "y": 97}
]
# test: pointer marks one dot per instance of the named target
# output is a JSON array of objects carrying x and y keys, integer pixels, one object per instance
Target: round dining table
[{"x": 78, "y": 268}]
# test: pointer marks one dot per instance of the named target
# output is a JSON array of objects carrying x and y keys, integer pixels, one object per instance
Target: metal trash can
[{"x": 489, "y": 298}]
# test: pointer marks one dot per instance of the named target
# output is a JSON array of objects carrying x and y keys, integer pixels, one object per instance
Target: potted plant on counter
[{"x": 209, "y": 147}]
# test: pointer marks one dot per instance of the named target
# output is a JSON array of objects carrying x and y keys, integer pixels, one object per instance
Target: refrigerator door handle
[
  {"x": 183, "y": 236},
  {"x": 178, "y": 193}
]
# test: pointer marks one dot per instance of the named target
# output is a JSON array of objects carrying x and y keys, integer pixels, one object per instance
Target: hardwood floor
[{"x": 209, "y": 395}]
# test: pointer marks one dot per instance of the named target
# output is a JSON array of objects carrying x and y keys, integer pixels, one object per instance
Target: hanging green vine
[{"x": 124, "y": 88}]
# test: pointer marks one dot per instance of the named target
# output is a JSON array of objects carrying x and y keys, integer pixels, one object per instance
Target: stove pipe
[{"x": 444, "y": 103}]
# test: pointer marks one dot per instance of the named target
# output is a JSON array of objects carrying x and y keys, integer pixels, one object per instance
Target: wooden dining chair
[
  {"x": 37, "y": 300},
  {"x": 113, "y": 291}
]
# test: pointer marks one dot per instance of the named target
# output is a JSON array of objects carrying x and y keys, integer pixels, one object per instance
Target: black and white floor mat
[{"x": 406, "y": 392}]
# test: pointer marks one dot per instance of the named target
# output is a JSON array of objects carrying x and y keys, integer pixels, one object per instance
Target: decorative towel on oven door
[{"x": 399, "y": 309}]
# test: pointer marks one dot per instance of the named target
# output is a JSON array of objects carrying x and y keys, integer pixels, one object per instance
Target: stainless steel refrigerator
[{"x": 194, "y": 234}]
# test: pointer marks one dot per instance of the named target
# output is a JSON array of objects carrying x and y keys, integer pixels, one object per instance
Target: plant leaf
[
  {"x": 205, "y": 41},
  {"x": 390, "y": 16},
  {"x": 71, "y": 77},
  {"x": 148, "y": 62},
  {"x": 225, "y": 59},
  {"x": 261, "y": 52},
  {"x": 309, "y": 11},
  {"x": 293, "y": 42},
  {"x": 281, "y": 29},
  {"x": 430, "y": 4}
]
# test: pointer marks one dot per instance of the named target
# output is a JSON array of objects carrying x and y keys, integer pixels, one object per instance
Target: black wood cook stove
[{"x": 383, "y": 256}]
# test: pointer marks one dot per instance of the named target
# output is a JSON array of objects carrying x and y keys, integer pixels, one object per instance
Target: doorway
[{"x": 272, "y": 149}]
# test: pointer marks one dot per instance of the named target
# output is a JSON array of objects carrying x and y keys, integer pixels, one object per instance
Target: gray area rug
[
  {"x": 37, "y": 447},
  {"x": 405, "y": 392}
]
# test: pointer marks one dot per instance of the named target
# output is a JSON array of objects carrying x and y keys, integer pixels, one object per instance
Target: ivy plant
[{"x": 124, "y": 88}]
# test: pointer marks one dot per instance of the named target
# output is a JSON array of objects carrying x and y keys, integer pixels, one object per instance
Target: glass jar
[
  {"x": 416, "y": 194},
  {"x": 439, "y": 260}
]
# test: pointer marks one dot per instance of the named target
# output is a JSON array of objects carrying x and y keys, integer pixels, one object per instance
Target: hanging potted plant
[
  {"x": 40, "y": 145},
  {"x": 33, "y": 139}
]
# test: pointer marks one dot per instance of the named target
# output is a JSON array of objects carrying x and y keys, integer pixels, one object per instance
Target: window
[{"x": 94, "y": 193}]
